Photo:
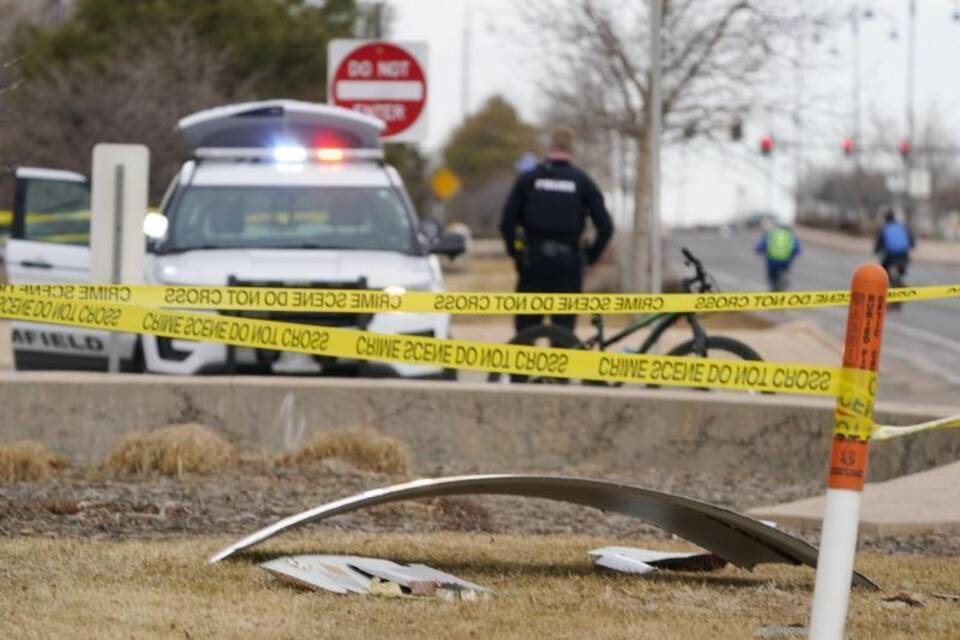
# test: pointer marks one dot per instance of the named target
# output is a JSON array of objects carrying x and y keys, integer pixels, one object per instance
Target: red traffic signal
[
  {"x": 904, "y": 148},
  {"x": 766, "y": 145},
  {"x": 847, "y": 145}
]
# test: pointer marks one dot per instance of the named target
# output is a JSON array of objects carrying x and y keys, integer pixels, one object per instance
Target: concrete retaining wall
[{"x": 491, "y": 427}]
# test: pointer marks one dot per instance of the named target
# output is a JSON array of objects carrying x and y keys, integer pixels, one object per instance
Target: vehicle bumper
[{"x": 55, "y": 347}]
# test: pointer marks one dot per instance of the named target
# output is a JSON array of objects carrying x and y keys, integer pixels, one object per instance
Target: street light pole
[
  {"x": 656, "y": 108},
  {"x": 798, "y": 128},
  {"x": 856, "y": 129},
  {"x": 465, "y": 61},
  {"x": 911, "y": 59}
]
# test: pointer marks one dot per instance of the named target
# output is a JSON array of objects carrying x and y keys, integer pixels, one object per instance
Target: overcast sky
[{"x": 704, "y": 186}]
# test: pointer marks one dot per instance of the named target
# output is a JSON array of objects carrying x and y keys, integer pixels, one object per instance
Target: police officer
[{"x": 543, "y": 222}]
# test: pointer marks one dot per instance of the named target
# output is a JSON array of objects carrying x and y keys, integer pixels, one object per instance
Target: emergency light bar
[
  {"x": 252, "y": 129},
  {"x": 289, "y": 154}
]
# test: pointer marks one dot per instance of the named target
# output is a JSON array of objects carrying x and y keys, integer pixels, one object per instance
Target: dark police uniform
[{"x": 549, "y": 205}]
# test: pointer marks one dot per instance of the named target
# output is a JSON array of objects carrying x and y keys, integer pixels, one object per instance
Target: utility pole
[
  {"x": 911, "y": 60},
  {"x": 798, "y": 127},
  {"x": 378, "y": 21},
  {"x": 656, "y": 112},
  {"x": 769, "y": 186},
  {"x": 465, "y": 60},
  {"x": 856, "y": 128}
]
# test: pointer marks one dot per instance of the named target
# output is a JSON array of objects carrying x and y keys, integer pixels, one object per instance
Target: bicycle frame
[{"x": 662, "y": 322}]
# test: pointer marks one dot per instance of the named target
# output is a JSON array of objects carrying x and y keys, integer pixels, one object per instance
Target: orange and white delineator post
[{"x": 848, "y": 456}]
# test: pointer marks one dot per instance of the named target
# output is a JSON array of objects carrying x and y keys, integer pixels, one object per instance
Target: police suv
[{"x": 277, "y": 193}]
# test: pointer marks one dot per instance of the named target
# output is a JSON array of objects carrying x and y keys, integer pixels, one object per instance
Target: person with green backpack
[{"x": 780, "y": 246}]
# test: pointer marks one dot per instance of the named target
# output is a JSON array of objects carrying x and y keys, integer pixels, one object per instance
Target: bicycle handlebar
[{"x": 701, "y": 276}]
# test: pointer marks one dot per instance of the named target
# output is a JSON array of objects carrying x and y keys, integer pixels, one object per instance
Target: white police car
[{"x": 278, "y": 193}]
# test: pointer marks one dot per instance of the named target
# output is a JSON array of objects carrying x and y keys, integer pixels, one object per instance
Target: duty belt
[{"x": 553, "y": 248}]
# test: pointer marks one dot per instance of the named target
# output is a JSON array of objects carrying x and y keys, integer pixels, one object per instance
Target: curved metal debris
[{"x": 740, "y": 540}]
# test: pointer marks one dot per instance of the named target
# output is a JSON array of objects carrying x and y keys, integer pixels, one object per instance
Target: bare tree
[
  {"x": 718, "y": 57},
  {"x": 55, "y": 118}
]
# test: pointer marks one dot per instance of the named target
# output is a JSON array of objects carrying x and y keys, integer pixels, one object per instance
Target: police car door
[
  {"x": 50, "y": 243},
  {"x": 50, "y": 229}
]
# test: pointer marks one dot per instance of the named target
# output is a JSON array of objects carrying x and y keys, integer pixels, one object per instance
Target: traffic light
[
  {"x": 904, "y": 148},
  {"x": 736, "y": 131},
  {"x": 766, "y": 144},
  {"x": 847, "y": 145}
]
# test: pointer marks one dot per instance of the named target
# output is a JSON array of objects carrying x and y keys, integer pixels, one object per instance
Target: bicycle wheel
[
  {"x": 895, "y": 272},
  {"x": 719, "y": 347},
  {"x": 539, "y": 335}
]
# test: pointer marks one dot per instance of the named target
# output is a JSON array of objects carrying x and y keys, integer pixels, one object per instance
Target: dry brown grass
[
  {"x": 545, "y": 588},
  {"x": 171, "y": 451},
  {"x": 365, "y": 449},
  {"x": 27, "y": 461}
]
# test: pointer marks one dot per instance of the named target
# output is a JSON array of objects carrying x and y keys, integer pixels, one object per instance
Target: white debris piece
[
  {"x": 642, "y": 561},
  {"x": 355, "y": 574},
  {"x": 617, "y": 562},
  {"x": 331, "y": 573},
  {"x": 411, "y": 575}
]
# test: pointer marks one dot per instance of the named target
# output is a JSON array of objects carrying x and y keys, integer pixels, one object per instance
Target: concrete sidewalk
[
  {"x": 920, "y": 503},
  {"x": 932, "y": 251}
]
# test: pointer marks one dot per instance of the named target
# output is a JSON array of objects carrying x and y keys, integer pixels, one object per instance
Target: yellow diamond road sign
[{"x": 445, "y": 184}]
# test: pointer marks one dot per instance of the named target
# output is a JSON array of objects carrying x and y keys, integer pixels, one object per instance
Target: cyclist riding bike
[
  {"x": 893, "y": 245},
  {"x": 780, "y": 246}
]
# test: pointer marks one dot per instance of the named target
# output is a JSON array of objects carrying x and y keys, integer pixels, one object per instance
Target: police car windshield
[{"x": 370, "y": 218}]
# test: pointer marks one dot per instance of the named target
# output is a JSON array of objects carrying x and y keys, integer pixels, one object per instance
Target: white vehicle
[{"x": 278, "y": 193}]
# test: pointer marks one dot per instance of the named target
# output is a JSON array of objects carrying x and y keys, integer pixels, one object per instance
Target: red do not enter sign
[{"x": 382, "y": 80}]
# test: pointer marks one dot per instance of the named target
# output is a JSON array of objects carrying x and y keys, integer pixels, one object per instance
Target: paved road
[{"x": 926, "y": 334}]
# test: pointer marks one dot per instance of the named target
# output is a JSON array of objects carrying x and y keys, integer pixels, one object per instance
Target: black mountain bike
[{"x": 699, "y": 345}]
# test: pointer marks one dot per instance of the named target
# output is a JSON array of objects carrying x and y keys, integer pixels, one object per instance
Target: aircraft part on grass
[
  {"x": 641, "y": 561},
  {"x": 734, "y": 537},
  {"x": 355, "y": 574},
  {"x": 624, "y": 564}
]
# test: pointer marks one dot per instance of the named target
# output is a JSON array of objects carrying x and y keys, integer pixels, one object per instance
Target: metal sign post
[
  {"x": 113, "y": 346},
  {"x": 119, "y": 205}
]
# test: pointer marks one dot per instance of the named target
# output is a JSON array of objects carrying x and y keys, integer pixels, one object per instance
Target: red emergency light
[
  {"x": 847, "y": 145},
  {"x": 766, "y": 144}
]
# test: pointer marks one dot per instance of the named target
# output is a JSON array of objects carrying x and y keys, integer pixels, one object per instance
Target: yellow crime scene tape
[
  {"x": 854, "y": 409},
  {"x": 295, "y": 299},
  {"x": 888, "y": 432},
  {"x": 84, "y": 306},
  {"x": 852, "y": 416},
  {"x": 454, "y": 354}
]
